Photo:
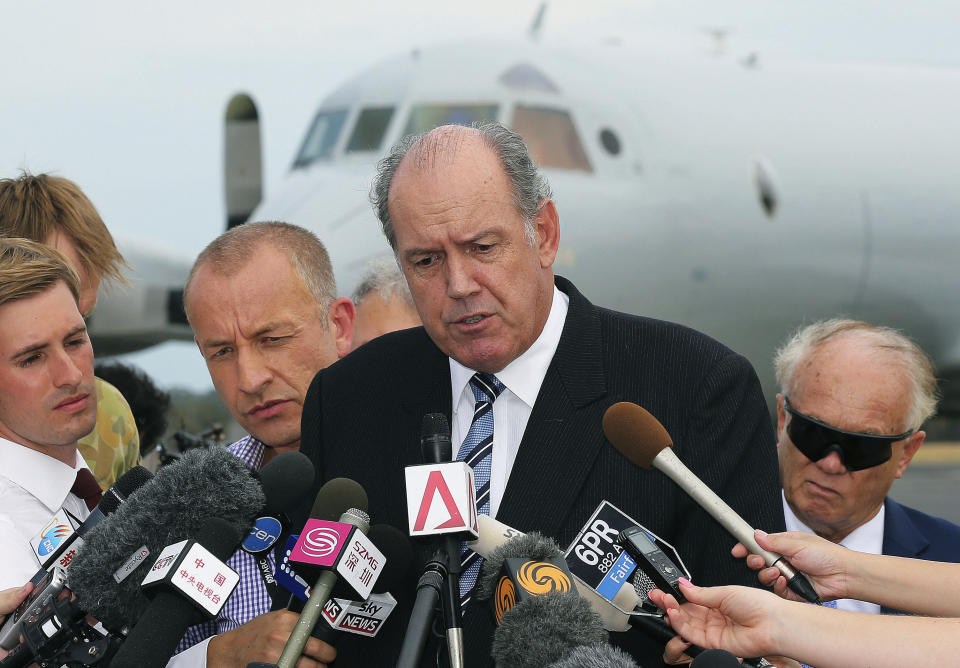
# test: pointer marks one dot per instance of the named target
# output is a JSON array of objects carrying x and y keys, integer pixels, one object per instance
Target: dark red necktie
[{"x": 86, "y": 488}]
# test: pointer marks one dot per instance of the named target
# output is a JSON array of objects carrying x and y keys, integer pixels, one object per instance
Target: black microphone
[
  {"x": 154, "y": 638},
  {"x": 430, "y": 587},
  {"x": 436, "y": 448},
  {"x": 596, "y": 656},
  {"x": 716, "y": 658},
  {"x": 171, "y": 507},
  {"x": 286, "y": 479}
]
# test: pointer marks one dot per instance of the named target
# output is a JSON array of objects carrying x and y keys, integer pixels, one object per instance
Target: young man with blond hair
[{"x": 54, "y": 211}]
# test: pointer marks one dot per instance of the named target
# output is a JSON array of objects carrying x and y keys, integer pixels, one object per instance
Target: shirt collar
[
  {"x": 524, "y": 375},
  {"x": 47, "y": 479},
  {"x": 868, "y": 537},
  {"x": 248, "y": 450}
]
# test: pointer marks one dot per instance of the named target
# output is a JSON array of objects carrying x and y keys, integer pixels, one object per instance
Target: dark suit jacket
[
  {"x": 910, "y": 533},
  {"x": 362, "y": 415}
]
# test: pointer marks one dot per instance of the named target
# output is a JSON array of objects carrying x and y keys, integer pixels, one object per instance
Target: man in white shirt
[
  {"x": 47, "y": 401},
  {"x": 853, "y": 399}
]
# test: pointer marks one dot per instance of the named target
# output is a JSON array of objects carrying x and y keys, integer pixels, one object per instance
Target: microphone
[
  {"x": 596, "y": 656},
  {"x": 366, "y": 617},
  {"x": 716, "y": 658},
  {"x": 181, "y": 603},
  {"x": 62, "y": 555},
  {"x": 640, "y": 437},
  {"x": 619, "y": 614},
  {"x": 540, "y": 616},
  {"x": 171, "y": 507},
  {"x": 47, "y": 552},
  {"x": 454, "y": 518},
  {"x": 541, "y": 630},
  {"x": 338, "y": 548},
  {"x": 429, "y": 589}
]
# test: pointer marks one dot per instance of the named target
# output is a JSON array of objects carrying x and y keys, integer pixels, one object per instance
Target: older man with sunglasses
[{"x": 853, "y": 399}]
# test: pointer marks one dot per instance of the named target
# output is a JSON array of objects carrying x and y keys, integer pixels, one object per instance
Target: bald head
[{"x": 439, "y": 149}]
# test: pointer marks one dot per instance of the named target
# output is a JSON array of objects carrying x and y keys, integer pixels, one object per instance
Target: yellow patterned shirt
[{"x": 113, "y": 447}]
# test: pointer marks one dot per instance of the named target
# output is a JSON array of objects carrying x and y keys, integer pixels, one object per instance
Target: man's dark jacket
[{"x": 362, "y": 418}]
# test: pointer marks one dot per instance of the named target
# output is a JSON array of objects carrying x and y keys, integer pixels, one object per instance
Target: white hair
[{"x": 803, "y": 343}]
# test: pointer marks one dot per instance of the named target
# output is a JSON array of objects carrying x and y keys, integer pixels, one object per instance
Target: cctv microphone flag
[
  {"x": 196, "y": 572},
  {"x": 441, "y": 499},
  {"x": 521, "y": 579},
  {"x": 341, "y": 547}
]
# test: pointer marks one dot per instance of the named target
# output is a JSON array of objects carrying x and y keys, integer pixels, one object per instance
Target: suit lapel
[
  {"x": 426, "y": 389},
  {"x": 558, "y": 447},
  {"x": 901, "y": 538}
]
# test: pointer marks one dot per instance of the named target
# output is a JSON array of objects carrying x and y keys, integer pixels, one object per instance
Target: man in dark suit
[
  {"x": 853, "y": 399},
  {"x": 475, "y": 232}
]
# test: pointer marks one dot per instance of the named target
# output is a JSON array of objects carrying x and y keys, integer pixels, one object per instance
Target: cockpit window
[
  {"x": 551, "y": 137},
  {"x": 369, "y": 130},
  {"x": 426, "y": 117},
  {"x": 322, "y": 136}
]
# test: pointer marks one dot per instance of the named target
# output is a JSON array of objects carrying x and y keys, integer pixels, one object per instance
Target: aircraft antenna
[{"x": 537, "y": 26}]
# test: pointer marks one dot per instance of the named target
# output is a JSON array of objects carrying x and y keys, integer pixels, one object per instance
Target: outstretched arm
[
  {"x": 912, "y": 585},
  {"x": 750, "y": 622}
]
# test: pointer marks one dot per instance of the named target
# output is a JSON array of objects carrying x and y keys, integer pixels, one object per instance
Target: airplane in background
[{"x": 739, "y": 196}]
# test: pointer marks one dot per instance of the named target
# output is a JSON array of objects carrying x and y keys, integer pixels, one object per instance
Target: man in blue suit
[{"x": 849, "y": 414}]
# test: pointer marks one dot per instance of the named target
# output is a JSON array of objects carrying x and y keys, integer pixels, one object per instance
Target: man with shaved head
[{"x": 475, "y": 231}]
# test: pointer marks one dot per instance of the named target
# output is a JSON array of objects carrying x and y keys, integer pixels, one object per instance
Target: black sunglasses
[{"x": 857, "y": 450}]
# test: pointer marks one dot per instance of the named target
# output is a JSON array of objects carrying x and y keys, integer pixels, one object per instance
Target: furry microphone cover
[{"x": 169, "y": 508}]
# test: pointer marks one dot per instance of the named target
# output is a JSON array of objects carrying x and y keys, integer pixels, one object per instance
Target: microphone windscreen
[
  {"x": 122, "y": 488},
  {"x": 716, "y": 658},
  {"x": 635, "y": 433},
  {"x": 541, "y": 630},
  {"x": 336, "y": 497},
  {"x": 171, "y": 507},
  {"x": 398, "y": 553},
  {"x": 596, "y": 656},
  {"x": 527, "y": 546},
  {"x": 285, "y": 480},
  {"x": 154, "y": 638}
]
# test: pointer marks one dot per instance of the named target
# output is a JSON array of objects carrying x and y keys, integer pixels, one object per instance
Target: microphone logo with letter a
[{"x": 441, "y": 499}]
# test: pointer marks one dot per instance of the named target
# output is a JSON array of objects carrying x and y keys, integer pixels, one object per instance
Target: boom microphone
[
  {"x": 640, "y": 437},
  {"x": 171, "y": 507}
]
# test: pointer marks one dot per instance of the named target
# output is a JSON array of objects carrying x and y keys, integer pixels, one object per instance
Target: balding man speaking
[{"x": 476, "y": 232}]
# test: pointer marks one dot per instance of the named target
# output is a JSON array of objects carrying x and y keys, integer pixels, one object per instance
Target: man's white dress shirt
[
  {"x": 867, "y": 537},
  {"x": 33, "y": 486},
  {"x": 511, "y": 411}
]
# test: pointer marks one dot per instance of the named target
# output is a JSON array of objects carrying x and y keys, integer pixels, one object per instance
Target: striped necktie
[{"x": 477, "y": 451}]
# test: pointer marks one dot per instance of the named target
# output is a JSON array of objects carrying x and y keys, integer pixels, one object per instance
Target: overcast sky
[{"x": 127, "y": 98}]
